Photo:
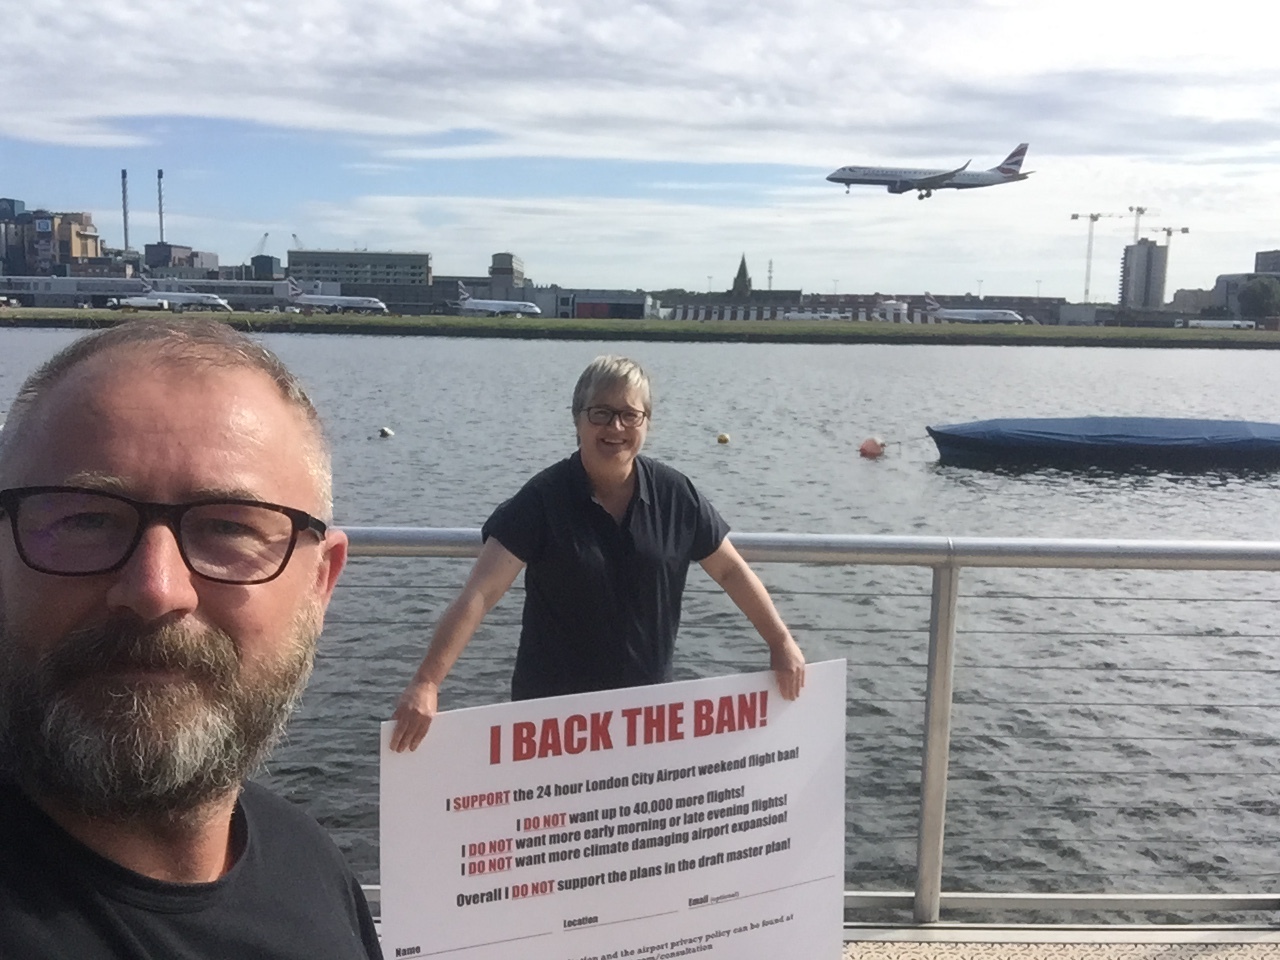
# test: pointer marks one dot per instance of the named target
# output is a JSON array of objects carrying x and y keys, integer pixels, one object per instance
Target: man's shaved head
[{"x": 196, "y": 341}]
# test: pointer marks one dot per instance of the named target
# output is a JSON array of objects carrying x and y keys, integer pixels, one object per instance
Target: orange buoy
[{"x": 871, "y": 448}]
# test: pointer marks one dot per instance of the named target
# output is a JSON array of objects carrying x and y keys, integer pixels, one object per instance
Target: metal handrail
[
  {"x": 893, "y": 551},
  {"x": 946, "y": 556}
]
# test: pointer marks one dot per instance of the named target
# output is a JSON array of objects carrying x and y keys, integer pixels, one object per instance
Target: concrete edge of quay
[{"x": 724, "y": 331}]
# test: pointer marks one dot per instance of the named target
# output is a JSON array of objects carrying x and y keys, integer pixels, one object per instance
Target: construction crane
[
  {"x": 259, "y": 248},
  {"x": 1088, "y": 256},
  {"x": 298, "y": 244},
  {"x": 1168, "y": 235},
  {"x": 1170, "y": 231},
  {"x": 1137, "y": 219}
]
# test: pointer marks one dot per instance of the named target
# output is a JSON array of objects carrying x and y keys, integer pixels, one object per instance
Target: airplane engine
[{"x": 900, "y": 187}]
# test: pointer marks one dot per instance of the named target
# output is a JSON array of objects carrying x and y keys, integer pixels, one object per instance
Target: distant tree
[{"x": 1260, "y": 297}]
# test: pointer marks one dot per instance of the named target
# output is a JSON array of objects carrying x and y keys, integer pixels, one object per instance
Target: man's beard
[{"x": 91, "y": 726}]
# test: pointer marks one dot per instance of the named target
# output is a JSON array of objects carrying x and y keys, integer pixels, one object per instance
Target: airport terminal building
[{"x": 403, "y": 281}]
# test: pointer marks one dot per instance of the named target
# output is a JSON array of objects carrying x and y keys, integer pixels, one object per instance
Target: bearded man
[{"x": 165, "y": 563}]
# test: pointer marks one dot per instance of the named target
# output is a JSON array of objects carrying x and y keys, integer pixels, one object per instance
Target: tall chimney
[
  {"x": 124, "y": 203},
  {"x": 160, "y": 200}
]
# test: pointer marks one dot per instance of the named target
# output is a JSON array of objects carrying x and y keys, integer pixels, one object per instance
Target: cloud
[
  {"x": 577, "y": 241},
  {"x": 1122, "y": 104},
  {"x": 1009, "y": 236},
  {"x": 374, "y": 168},
  {"x": 707, "y": 80}
]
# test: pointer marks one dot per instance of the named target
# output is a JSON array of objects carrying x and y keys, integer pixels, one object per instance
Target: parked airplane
[
  {"x": 332, "y": 303},
  {"x": 900, "y": 180},
  {"x": 137, "y": 303},
  {"x": 938, "y": 312},
  {"x": 175, "y": 300},
  {"x": 494, "y": 308}
]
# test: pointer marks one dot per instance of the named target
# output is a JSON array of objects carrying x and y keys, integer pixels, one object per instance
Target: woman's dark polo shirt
[{"x": 602, "y": 599}]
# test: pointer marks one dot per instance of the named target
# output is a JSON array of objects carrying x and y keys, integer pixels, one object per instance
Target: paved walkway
[
  {"x": 1061, "y": 951},
  {"x": 1067, "y": 944}
]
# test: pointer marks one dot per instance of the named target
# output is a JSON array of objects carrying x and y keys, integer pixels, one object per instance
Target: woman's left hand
[{"x": 787, "y": 663}]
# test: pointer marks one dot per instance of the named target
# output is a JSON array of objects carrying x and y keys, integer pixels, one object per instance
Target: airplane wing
[{"x": 938, "y": 179}]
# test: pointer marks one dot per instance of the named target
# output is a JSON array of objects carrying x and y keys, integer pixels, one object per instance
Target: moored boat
[{"x": 1169, "y": 443}]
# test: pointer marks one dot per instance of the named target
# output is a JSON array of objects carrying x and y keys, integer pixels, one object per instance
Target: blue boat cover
[{"x": 1111, "y": 442}]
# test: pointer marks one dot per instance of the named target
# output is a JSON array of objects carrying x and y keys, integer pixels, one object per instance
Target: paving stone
[{"x": 867, "y": 950}]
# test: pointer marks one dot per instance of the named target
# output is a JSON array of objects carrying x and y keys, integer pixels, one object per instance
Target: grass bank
[{"x": 715, "y": 331}]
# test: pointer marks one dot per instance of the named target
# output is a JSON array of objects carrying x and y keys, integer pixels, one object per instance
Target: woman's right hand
[
  {"x": 496, "y": 568},
  {"x": 413, "y": 715}
]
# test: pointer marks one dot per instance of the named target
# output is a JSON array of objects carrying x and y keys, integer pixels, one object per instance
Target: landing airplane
[
  {"x": 900, "y": 180},
  {"x": 938, "y": 312},
  {"x": 333, "y": 304},
  {"x": 175, "y": 300},
  {"x": 494, "y": 308}
]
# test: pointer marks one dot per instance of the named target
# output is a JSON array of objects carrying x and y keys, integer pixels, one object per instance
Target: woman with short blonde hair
[{"x": 605, "y": 538}]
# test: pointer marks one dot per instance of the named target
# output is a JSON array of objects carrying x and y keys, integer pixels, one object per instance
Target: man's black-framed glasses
[
  {"x": 73, "y": 532},
  {"x": 600, "y": 416}
]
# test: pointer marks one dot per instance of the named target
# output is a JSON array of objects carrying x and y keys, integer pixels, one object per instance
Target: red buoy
[{"x": 871, "y": 448}]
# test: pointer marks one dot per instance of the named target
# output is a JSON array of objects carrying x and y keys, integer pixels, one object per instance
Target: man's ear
[{"x": 333, "y": 559}]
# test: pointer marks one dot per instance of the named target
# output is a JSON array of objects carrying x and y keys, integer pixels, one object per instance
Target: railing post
[{"x": 937, "y": 743}]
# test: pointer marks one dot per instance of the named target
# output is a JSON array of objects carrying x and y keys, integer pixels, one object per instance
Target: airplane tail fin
[
  {"x": 1013, "y": 162},
  {"x": 930, "y": 304},
  {"x": 295, "y": 291},
  {"x": 463, "y": 294}
]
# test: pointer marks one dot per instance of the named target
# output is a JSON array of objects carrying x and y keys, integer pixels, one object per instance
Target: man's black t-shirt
[
  {"x": 602, "y": 598},
  {"x": 289, "y": 896}
]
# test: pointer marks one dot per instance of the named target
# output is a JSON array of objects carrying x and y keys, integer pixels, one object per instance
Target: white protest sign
[{"x": 702, "y": 817}]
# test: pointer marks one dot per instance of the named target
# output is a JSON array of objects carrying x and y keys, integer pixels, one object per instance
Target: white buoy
[{"x": 386, "y": 432}]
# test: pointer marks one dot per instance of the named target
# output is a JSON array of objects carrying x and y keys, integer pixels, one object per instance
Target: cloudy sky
[{"x": 650, "y": 144}]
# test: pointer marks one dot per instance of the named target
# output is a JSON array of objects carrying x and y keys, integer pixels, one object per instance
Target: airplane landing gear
[
  {"x": 846, "y": 188},
  {"x": 924, "y": 194}
]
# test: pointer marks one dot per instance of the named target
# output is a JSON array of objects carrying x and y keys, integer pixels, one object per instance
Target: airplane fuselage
[
  {"x": 977, "y": 316},
  {"x": 209, "y": 300},
  {"x": 165, "y": 300},
  {"x": 924, "y": 182},
  {"x": 904, "y": 180},
  {"x": 339, "y": 304},
  {"x": 495, "y": 308},
  {"x": 138, "y": 303}
]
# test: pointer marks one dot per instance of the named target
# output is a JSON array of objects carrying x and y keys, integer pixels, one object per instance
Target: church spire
[{"x": 741, "y": 282}]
